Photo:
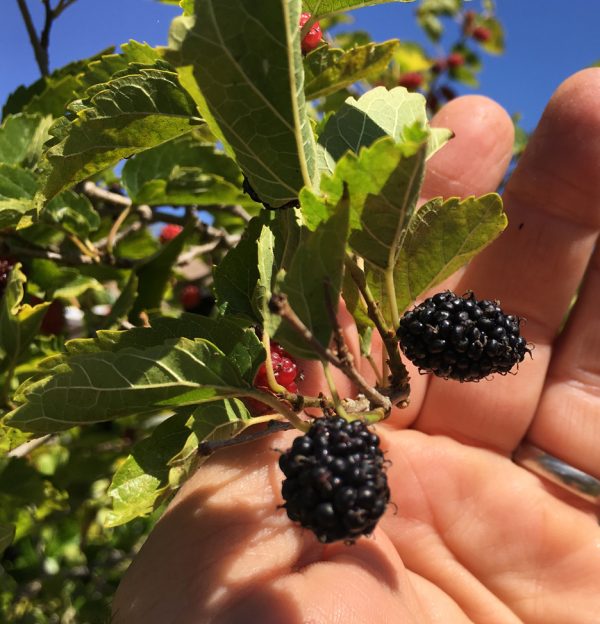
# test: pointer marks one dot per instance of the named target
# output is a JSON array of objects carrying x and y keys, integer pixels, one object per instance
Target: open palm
[{"x": 471, "y": 536}]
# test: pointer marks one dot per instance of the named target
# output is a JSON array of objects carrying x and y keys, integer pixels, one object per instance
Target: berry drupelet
[
  {"x": 461, "y": 338},
  {"x": 285, "y": 370},
  {"x": 336, "y": 484}
]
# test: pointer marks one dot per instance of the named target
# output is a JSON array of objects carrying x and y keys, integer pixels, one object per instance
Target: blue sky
[{"x": 547, "y": 40}]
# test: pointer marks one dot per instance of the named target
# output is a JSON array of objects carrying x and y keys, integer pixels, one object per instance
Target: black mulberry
[
  {"x": 335, "y": 484},
  {"x": 461, "y": 338}
]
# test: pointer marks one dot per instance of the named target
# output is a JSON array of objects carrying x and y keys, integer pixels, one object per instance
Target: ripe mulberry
[
  {"x": 461, "y": 338},
  {"x": 336, "y": 484}
]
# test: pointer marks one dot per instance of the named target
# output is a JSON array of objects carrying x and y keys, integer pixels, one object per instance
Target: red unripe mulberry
[
  {"x": 313, "y": 37},
  {"x": 411, "y": 80}
]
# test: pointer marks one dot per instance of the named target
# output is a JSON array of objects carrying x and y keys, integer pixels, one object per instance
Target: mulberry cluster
[
  {"x": 335, "y": 484},
  {"x": 461, "y": 338}
]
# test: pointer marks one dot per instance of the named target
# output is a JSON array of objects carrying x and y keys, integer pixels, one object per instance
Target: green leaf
[
  {"x": 237, "y": 274},
  {"x": 251, "y": 93},
  {"x": 94, "y": 387},
  {"x": 320, "y": 8},
  {"x": 143, "y": 478},
  {"x": 236, "y": 340},
  {"x": 329, "y": 69},
  {"x": 22, "y": 137},
  {"x": 119, "y": 118},
  {"x": 442, "y": 236},
  {"x": 124, "y": 302},
  {"x": 314, "y": 294},
  {"x": 11, "y": 438},
  {"x": 60, "y": 282},
  {"x": 384, "y": 183},
  {"x": 376, "y": 114},
  {"x": 17, "y": 189},
  {"x": 19, "y": 323},
  {"x": 73, "y": 212},
  {"x": 184, "y": 171},
  {"x": 153, "y": 275},
  {"x": 7, "y": 534}
]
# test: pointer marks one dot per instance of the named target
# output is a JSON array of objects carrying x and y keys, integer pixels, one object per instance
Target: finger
[
  {"x": 472, "y": 163},
  {"x": 487, "y": 533},
  {"x": 475, "y": 160},
  {"x": 534, "y": 268},
  {"x": 567, "y": 421}
]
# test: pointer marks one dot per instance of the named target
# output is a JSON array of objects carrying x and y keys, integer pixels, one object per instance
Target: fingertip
[{"x": 475, "y": 159}]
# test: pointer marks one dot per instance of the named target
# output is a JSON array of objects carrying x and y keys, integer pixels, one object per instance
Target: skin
[{"x": 471, "y": 537}]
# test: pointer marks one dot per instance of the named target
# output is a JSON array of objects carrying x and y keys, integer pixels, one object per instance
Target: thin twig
[
  {"x": 279, "y": 305},
  {"x": 110, "y": 239},
  {"x": 65, "y": 259},
  {"x": 273, "y": 426},
  {"x": 41, "y": 54},
  {"x": 24, "y": 449},
  {"x": 399, "y": 389}
]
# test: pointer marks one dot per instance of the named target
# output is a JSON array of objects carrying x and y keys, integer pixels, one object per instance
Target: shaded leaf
[
  {"x": 73, "y": 212},
  {"x": 311, "y": 292},
  {"x": 22, "y": 137},
  {"x": 7, "y": 534},
  {"x": 141, "y": 480},
  {"x": 60, "y": 282},
  {"x": 154, "y": 274},
  {"x": 17, "y": 189},
  {"x": 184, "y": 171},
  {"x": 329, "y": 69},
  {"x": 19, "y": 324}
]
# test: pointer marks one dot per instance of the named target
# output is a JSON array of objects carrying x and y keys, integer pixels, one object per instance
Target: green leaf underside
[
  {"x": 252, "y": 89},
  {"x": 142, "y": 478},
  {"x": 73, "y": 212},
  {"x": 237, "y": 274},
  {"x": 442, "y": 236},
  {"x": 314, "y": 281},
  {"x": 103, "y": 386},
  {"x": 120, "y": 118},
  {"x": 384, "y": 183},
  {"x": 184, "y": 171},
  {"x": 142, "y": 482},
  {"x": 61, "y": 282},
  {"x": 22, "y": 137},
  {"x": 378, "y": 113},
  {"x": 320, "y": 8},
  {"x": 17, "y": 189},
  {"x": 329, "y": 69},
  {"x": 7, "y": 533},
  {"x": 19, "y": 323}
]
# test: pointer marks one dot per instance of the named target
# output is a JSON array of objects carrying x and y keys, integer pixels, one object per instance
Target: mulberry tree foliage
[{"x": 159, "y": 207}]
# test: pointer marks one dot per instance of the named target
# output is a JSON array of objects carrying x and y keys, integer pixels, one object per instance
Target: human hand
[{"x": 471, "y": 535}]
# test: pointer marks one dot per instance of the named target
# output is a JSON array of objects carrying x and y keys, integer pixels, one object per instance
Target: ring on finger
[{"x": 557, "y": 471}]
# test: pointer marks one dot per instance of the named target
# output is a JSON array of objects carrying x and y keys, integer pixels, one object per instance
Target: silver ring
[{"x": 562, "y": 474}]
